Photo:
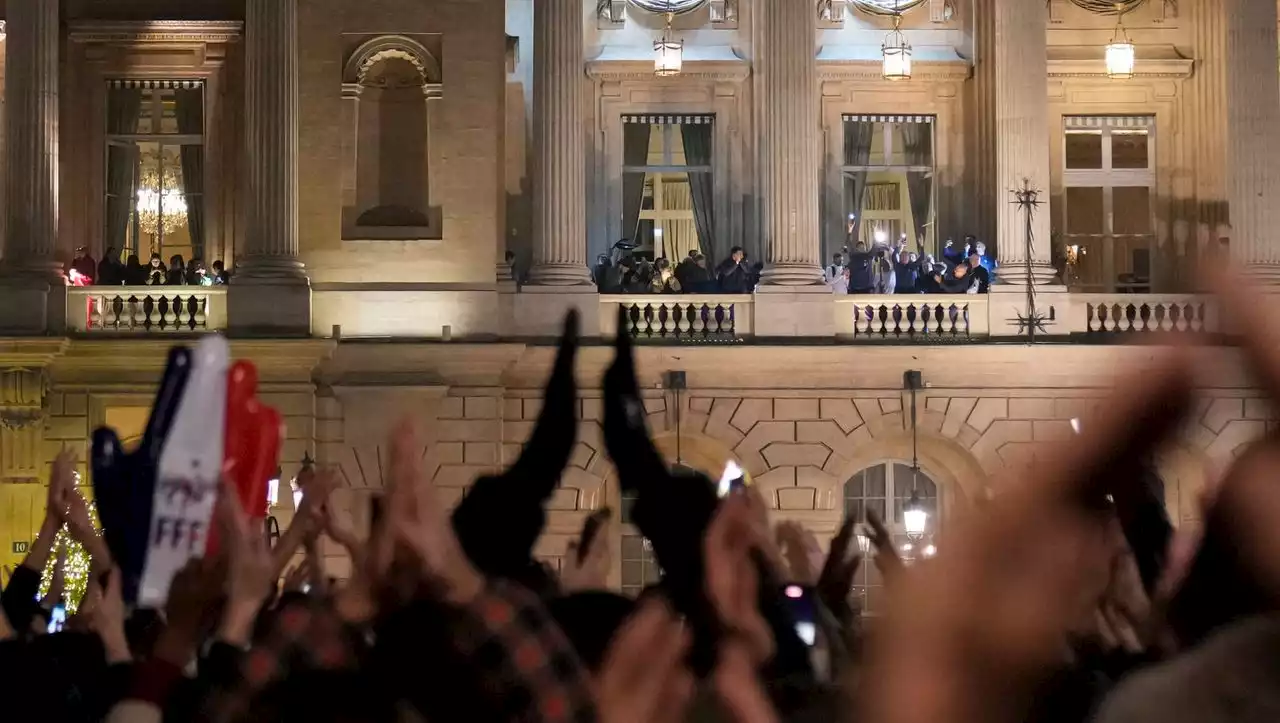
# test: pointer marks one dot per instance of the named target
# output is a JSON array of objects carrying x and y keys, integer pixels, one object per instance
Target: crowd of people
[
  {"x": 881, "y": 269},
  {"x": 693, "y": 275},
  {"x": 1064, "y": 596},
  {"x": 895, "y": 270},
  {"x": 111, "y": 271}
]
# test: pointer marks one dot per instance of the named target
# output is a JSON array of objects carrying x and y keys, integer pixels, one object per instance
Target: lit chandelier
[
  {"x": 896, "y": 51},
  {"x": 161, "y": 207},
  {"x": 668, "y": 53},
  {"x": 1121, "y": 54}
]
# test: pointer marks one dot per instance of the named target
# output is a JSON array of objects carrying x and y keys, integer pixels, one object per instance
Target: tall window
[
  {"x": 886, "y": 488},
  {"x": 639, "y": 567},
  {"x": 1107, "y": 208},
  {"x": 667, "y": 190},
  {"x": 155, "y": 168},
  {"x": 888, "y": 179}
]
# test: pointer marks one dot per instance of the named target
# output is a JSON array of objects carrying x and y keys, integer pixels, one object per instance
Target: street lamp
[
  {"x": 668, "y": 53},
  {"x": 914, "y": 517}
]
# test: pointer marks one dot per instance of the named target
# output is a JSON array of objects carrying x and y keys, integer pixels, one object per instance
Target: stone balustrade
[
  {"x": 146, "y": 309},
  {"x": 686, "y": 318},
  {"x": 1124, "y": 313},
  {"x": 921, "y": 317}
]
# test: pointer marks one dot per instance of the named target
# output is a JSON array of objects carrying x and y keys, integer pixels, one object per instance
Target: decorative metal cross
[{"x": 1031, "y": 320}]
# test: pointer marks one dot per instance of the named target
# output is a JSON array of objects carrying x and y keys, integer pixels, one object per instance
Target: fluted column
[
  {"x": 1253, "y": 115},
  {"x": 559, "y": 162},
  {"x": 271, "y": 128},
  {"x": 1022, "y": 136},
  {"x": 787, "y": 91},
  {"x": 31, "y": 135}
]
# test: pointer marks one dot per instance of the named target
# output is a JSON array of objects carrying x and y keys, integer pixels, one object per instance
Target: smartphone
[
  {"x": 1075, "y": 425},
  {"x": 591, "y": 528},
  {"x": 803, "y": 612},
  {"x": 731, "y": 479},
  {"x": 57, "y": 618}
]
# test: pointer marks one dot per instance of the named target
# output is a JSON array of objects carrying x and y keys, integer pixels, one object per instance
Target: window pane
[
  {"x": 1085, "y": 211},
  {"x": 1130, "y": 149},
  {"x": 859, "y": 142},
  {"x": 1084, "y": 149},
  {"x": 632, "y": 573},
  {"x": 875, "y": 481},
  {"x": 856, "y": 485},
  {"x": 124, "y": 108},
  {"x": 1131, "y": 208},
  {"x": 632, "y": 547},
  {"x": 628, "y": 503}
]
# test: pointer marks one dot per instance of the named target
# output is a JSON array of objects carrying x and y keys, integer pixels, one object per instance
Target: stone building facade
[{"x": 364, "y": 167}]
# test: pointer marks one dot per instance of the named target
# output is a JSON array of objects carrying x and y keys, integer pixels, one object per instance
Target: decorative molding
[
  {"x": 22, "y": 398},
  {"x": 611, "y": 13},
  {"x": 712, "y": 70},
  {"x": 724, "y": 13},
  {"x": 929, "y": 71},
  {"x": 940, "y": 11},
  {"x": 156, "y": 31},
  {"x": 1163, "y": 61},
  {"x": 831, "y": 13},
  {"x": 386, "y": 47}
]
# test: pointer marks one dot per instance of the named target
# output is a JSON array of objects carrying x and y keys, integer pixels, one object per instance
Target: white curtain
[{"x": 679, "y": 236}]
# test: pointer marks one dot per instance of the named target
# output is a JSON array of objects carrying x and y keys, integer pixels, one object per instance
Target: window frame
[
  {"x": 887, "y": 150},
  {"x": 628, "y": 531},
  {"x": 151, "y": 88},
  {"x": 1108, "y": 179},
  {"x": 660, "y": 172},
  {"x": 868, "y": 579}
]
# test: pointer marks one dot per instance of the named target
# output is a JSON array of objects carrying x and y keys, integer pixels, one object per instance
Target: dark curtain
[
  {"x": 635, "y": 152},
  {"x": 189, "y": 112},
  {"x": 857, "y": 152},
  {"x": 697, "y": 152},
  {"x": 124, "y": 106},
  {"x": 918, "y": 141}
]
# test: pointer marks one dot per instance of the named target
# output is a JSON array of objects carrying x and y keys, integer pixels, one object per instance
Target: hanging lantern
[
  {"x": 897, "y": 53},
  {"x": 914, "y": 517},
  {"x": 668, "y": 54},
  {"x": 1121, "y": 53}
]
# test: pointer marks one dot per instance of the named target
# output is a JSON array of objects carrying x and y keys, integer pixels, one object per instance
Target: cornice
[
  {"x": 733, "y": 71},
  {"x": 1143, "y": 68},
  {"x": 33, "y": 353},
  {"x": 921, "y": 70},
  {"x": 156, "y": 31}
]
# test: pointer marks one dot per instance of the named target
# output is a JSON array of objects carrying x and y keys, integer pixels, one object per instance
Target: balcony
[{"x": 105, "y": 310}]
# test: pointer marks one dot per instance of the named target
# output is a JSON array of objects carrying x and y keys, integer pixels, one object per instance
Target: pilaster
[{"x": 1253, "y": 115}]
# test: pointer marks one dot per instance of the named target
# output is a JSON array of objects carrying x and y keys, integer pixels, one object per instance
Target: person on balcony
[
  {"x": 733, "y": 273},
  {"x": 883, "y": 279},
  {"x": 978, "y": 270},
  {"x": 177, "y": 274},
  {"x": 220, "y": 275},
  {"x": 134, "y": 273},
  {"x": 699, "y": 280},
  {"x": 156, "y": 271},
  {"x": 835, "y": 271},
  {"x": 110, "y": 270},
  {"x": 906, "y": 270},
  {"x": 858, "y": 262},
  {"x": 84, "y": 265},
  {"x": 664, "y": 278},
  {"x": 840, "y": 284}
]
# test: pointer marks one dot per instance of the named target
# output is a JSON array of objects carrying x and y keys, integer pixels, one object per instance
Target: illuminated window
[
  {"x": 155, "y": 168},
  {"x": 886, "y": 488},
  {"x": 1107, "y": 213}
]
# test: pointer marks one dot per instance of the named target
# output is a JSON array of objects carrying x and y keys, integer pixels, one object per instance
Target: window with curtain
[
  {"x": 886, "y": 154},
  {"x": 668, "y": 200},
  {"x": 1106, "y": 214},
  {"x": 155, "y": 168},
  {"x": 886, "y": 488}
]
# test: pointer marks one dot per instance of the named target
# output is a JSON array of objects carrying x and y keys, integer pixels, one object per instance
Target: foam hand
[
  {"x": 252, "y": 444},
  {"x": 513, "y": 501},
  {"x": 188, "y": 473},
  {"x": 124, "y": 482}
]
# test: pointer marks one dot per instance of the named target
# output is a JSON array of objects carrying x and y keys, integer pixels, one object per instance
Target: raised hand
[
  {"x": 250, "y": 574},
  {"x": 644, "y": 678},
  {"x": 886, "y": 559},
  {"x": 801, "y": 551},
  {"x": 1010, "y": 588},
  {"x": 838, "y": 573}
]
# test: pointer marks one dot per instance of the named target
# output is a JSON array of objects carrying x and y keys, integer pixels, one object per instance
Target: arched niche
[{"x": 390, "y": 84}]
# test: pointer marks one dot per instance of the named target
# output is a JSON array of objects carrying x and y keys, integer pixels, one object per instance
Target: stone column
[
  {"x": 1022, "y": 136},
  {"x": 559, "y": 164},
  {"x": 1253, "y": 114},
  {"x": 32, "y": 285},
  {"x": 270, "y": 292},
  {"x": 31, "y": 130},
  {"x": 786, "y": 92}
]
